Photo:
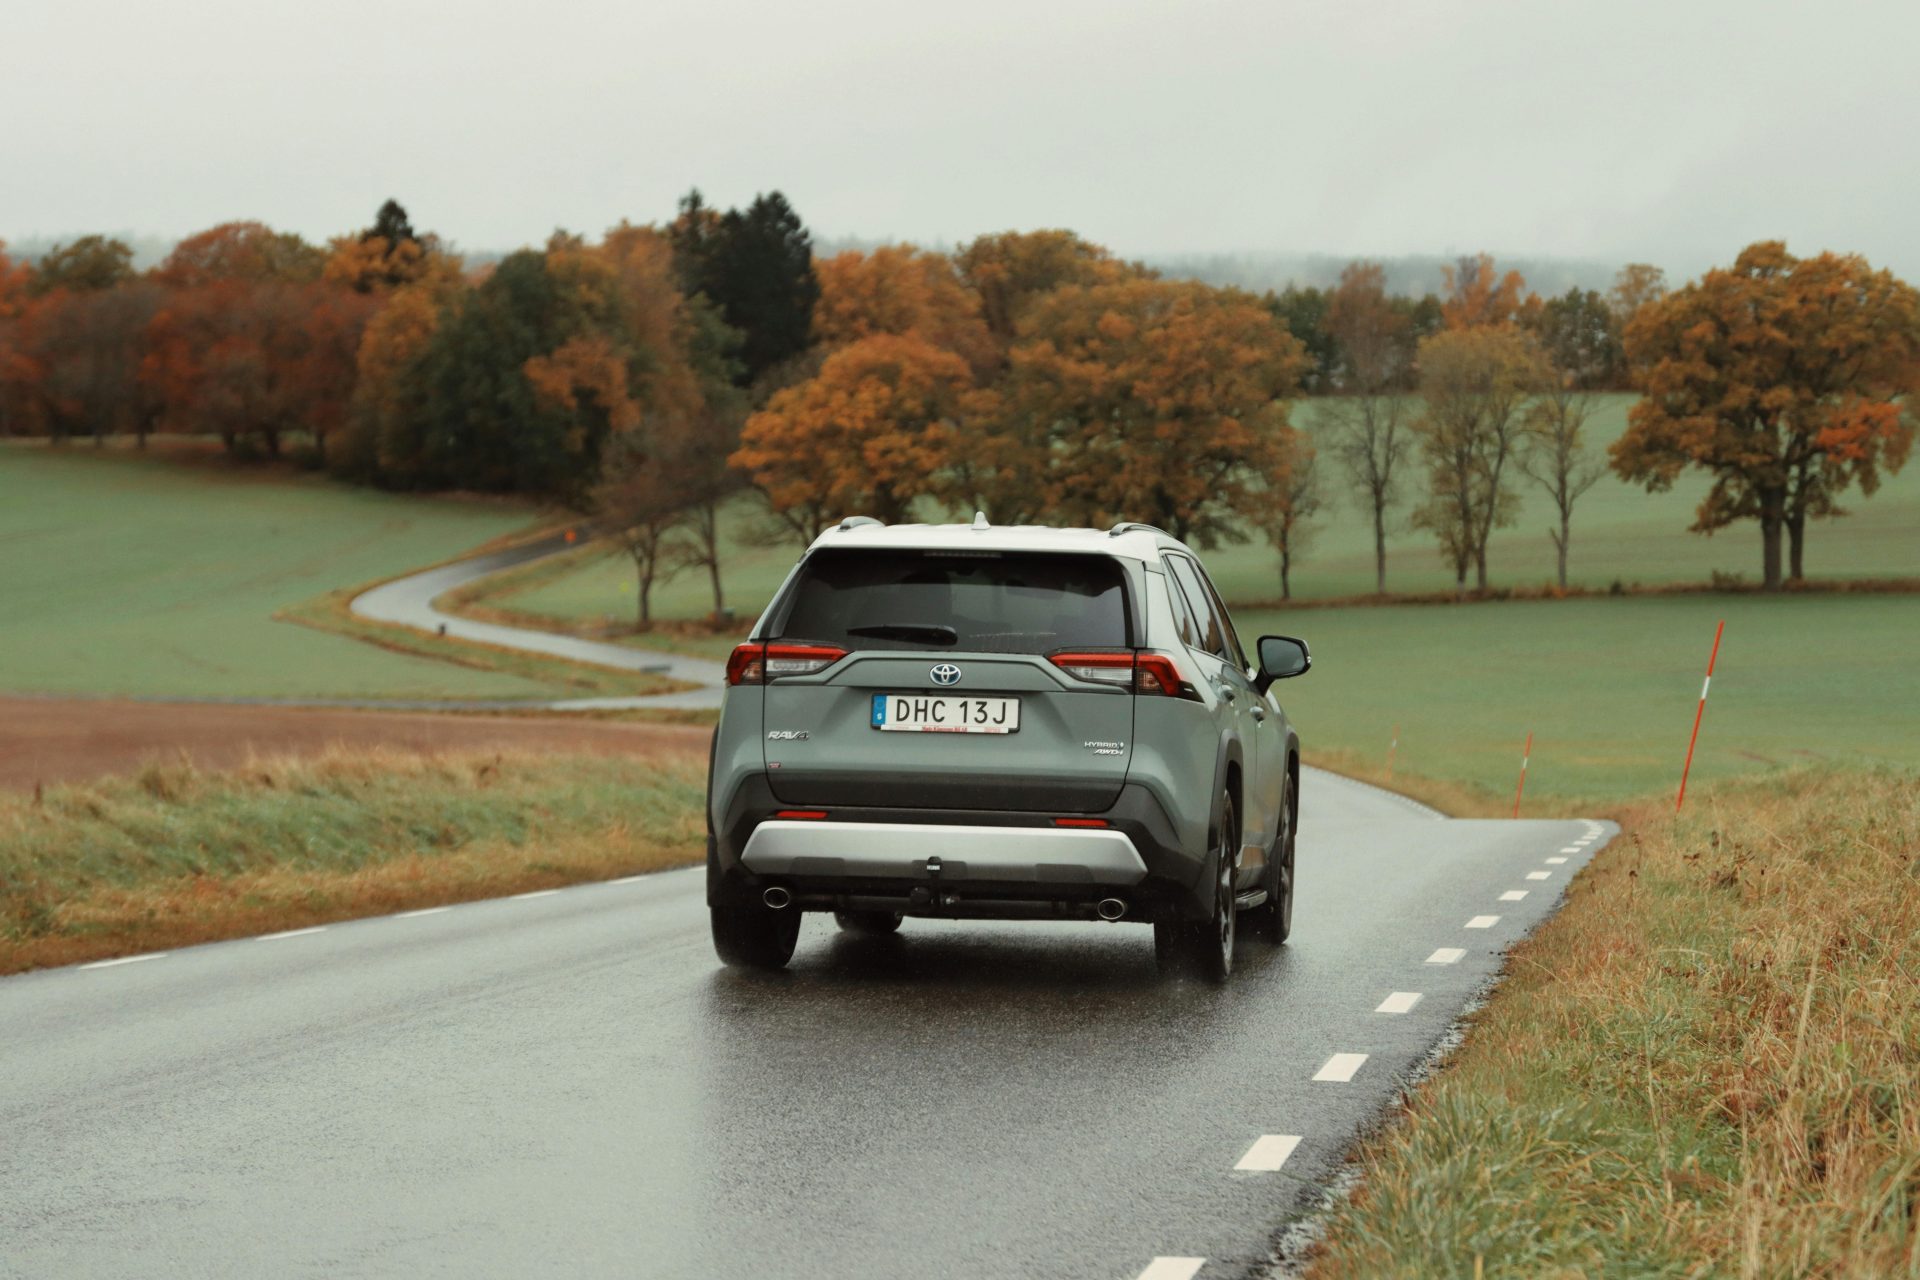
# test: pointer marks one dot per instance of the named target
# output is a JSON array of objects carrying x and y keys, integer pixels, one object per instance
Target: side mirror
[{"x": 1281, "y": 658}]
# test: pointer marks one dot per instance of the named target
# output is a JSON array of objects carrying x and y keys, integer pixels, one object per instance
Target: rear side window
[
  {"x": 980, "y": 601},
  {"x": 1187, "y": 578}
]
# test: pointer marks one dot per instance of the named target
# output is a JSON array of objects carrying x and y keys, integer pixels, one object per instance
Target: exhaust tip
[
  {"x": 1111, "y": 908},
  {"x": 777, "y": 897}
]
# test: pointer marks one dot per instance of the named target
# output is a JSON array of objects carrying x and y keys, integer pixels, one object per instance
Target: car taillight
[
  {"x": 758, "y": 663},
  {"x": 803, "y": 815},
  {"x": 1146, "y": 673},
  {"x": 1079, "y": 822}
]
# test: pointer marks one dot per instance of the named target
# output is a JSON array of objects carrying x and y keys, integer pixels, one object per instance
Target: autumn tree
[
  {"x": 1367, "y": 422},
  {"x": 87, "y": 348},
  {"x": 18, "y": 374},
  {"x": 872, "y": 431},
  {"x": 387, "y": 416},
  {"x": 1012, "y": 270},
  {"x": 1475, "y": 383},
  {"x": 905, "y": 291},
  {"x": 1635, "y": 285},
  {"x": 1782, "y": 378},
  {"x": 246, "y": 252},
  {"x": 1147, "y": 400},
  {"x": 385, "y": 256},
  {"x": 1285, "y": 497},
  {"x": 1478, "y": 294},
  {"x": 1581, "y": 346},
  {"x": 83, "y": 265},
  {"x": 639, "y": 499}
]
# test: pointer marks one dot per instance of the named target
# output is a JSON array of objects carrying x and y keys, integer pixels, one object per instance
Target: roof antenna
[{"x": 979, "y": 521}]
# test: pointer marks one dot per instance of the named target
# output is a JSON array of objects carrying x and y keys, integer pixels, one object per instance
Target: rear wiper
[{"x": 933, "y": 633}]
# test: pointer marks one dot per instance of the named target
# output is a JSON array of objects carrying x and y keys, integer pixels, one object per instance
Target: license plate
[{"x": 934, "y": 713}]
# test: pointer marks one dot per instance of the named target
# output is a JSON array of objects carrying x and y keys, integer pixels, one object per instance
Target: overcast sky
[{"x": 1672, "y": 131}]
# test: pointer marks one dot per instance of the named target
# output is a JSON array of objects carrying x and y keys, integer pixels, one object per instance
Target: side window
[
  {"x": 1187, "y": 575},
  {"x": 1238, "y": 655},
  {"x": 1182, "y": 614}
]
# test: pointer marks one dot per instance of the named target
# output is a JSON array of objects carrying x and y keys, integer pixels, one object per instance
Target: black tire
[
  {"x": 752, "y": 936},
  {"x": 875, "y": 923},
  {"x": 1272, "y": 920},
  {"x": 1204, "y": 948}
]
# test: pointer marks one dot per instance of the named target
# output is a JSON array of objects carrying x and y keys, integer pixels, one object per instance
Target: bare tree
[
  {"x": 1368, "y": 421},
  {"x": 1287, "y": 500},
  {"x": 1580, "y": 338},
  {"x": 642, "y": 500}
]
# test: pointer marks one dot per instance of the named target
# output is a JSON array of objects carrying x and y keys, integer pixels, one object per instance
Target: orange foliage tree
[
  {"x": 901, "y": 290},
  {"x": 18, "y": 372},
  {"x": 1783, "y": 379},
  {"x": 1477, "y": 294},
  {"x": 1010, "y": 270},
  {"x": 1147, "y": 400},
  {"x": 875, "y": 428}
]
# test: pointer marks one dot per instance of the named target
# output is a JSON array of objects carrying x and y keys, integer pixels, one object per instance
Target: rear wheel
[
  {"x": 870, "y": 922},
  {"x": 752, "y": 936},
  {"x": 1272, "y": 920},
  {"x": 1204, "y": 948}
]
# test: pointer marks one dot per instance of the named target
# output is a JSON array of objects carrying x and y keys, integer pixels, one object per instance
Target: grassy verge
[
  {"x": 331, "y": 612},
  {"x": 175, "y": 856},
  {"x": 1707, "y": 1064}
]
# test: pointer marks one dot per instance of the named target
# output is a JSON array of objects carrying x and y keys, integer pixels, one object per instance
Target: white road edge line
[
  {"x": 1173, "y": 1269},
  {"x": 1513, "y": 895},
  {"x": 1539, "y": 875},
  {"x": 108, "y": 964},
  {"x": 1446, "y": 955},
  {"x": 1482, "y": 922},
  {"x": 532, "y": 893},
  {"x": 1398, "y": 1002},
  {"x": 1268, "y": 1153},
  {"x": 1340, "y": 1067},
  {"x": 291, "y": 933},
  {"x": 626, "y": 880},
  {"x": 423, "y": 911}
]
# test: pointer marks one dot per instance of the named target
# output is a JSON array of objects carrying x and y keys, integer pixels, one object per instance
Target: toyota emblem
[{"x": 945, "y": 673}]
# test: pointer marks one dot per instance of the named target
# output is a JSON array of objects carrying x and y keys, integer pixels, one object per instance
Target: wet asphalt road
[{"x": 570, "y": 1085}]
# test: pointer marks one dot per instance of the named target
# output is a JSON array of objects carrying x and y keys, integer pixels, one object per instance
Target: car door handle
[{"x": 1259, "y": 712}]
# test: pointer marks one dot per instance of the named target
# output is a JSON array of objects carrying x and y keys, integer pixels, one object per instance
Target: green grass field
[
  {"x": 1607, "y": 686},
  {"x": 124, "y": 575}
]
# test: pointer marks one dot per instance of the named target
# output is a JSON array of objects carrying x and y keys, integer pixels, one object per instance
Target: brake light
[
  {"x": 1146, "y": 673},
  {"x": 806, "y": 815},
  {"x": 755, "y": 663},
  {"x": 1079, "y": 822}
]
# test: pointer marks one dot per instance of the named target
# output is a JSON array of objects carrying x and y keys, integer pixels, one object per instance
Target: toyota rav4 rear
[{"x": 963, "y": 721}]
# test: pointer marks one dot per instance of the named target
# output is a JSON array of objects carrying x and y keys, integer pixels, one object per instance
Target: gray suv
[{"x": 965, "y": 721}]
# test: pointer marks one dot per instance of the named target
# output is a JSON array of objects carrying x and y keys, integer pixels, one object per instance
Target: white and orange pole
[
  {"x": 1698, "y": 713},
  {"x": 1392, "y": 747},
  {"x": 1526, "y": 753}
]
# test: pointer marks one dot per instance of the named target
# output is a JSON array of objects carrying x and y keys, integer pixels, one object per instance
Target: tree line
[{"x": 648, "y": 376}]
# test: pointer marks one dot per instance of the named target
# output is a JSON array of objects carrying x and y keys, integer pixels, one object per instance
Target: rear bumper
[
  {"x": 966, "y": 863},
  {"x": 919, "y": 852}
]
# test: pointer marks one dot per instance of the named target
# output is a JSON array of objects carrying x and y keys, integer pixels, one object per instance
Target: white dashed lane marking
[
  {"x": 291, "y": 933},
  {"x": 1173, "y": 1269},
  {"x": 1340, "y": 1067},
  {"x": 1483, "y": 922},
  {"x": 1398, "y": 1002},
  {"x": 1513, "y": 895},
  {"x": 1539, "y": 875},
  {"x": 1556, "y": 861},
  {"x": 1572, "y": 848},
  {"x": 1446, "y": 955},
  {"x": 108, "y": 964},
  {"x": 424, "y": 911},
  {"x": 1268, "y": 1153}
]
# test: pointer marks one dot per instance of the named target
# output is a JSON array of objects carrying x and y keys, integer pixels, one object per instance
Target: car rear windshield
[{"x": 966, "y": 601}]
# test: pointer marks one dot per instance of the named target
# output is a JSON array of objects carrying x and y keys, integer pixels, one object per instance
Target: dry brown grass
[
  {"x": 174, "y": 855},
  {"x": 1707, "y": 1064}
]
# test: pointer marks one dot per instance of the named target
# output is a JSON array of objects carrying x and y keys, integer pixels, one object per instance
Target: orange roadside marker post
[
  {"x": 1526, "y": 753},
  {"x": 571, "y": 535},
  {"x": 1699, "y": 712},
  {"x": 1392, "y": 747}
]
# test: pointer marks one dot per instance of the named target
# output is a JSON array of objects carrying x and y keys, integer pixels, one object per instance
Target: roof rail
[
  {"x": 1131, "y": 526},
  {"x": 859, "y": 522}
]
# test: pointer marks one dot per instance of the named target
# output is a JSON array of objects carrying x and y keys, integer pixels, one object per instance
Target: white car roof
[{"x": 1130, "y": 542}]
